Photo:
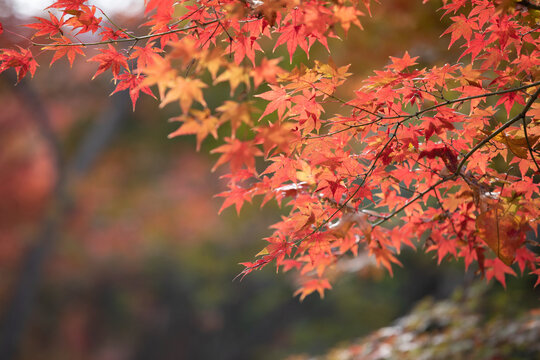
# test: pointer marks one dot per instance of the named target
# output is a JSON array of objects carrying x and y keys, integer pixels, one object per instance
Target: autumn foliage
[{"x": 444, "y": 159}]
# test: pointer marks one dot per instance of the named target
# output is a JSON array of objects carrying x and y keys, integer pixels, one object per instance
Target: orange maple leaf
[
  {"x": 311, "y": 286},
  {"x": 200, "y": 123},
  {"x": 185, "y": 90}
]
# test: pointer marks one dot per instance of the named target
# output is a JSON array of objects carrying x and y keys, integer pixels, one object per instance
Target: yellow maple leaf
[
  {"x": 185, "y": 90},
  {"x": 200, "y": 123}
]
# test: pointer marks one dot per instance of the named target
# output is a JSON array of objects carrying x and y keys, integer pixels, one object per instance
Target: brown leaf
[{"x": 501, "y": 232}]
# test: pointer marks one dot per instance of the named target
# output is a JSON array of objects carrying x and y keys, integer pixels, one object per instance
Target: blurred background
[{"x": 110, "y": 243}]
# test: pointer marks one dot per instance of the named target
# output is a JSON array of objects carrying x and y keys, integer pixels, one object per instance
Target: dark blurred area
[{"x": 110, "y": 243}]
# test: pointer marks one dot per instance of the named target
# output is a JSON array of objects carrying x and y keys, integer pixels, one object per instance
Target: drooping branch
[
  {"x": 406, "y": 117},
  {"x": 457, "y": 173}
]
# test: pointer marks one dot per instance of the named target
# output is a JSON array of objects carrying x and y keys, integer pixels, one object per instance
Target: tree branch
[
  {"x": 520, "y": 116},
  {"x": 136, "y": 38},
  {"x": 529, "y": 145}
]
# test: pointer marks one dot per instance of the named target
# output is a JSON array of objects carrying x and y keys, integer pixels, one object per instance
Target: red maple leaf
[
  {"x": 495, "y": 268},
  {"x": 311, "y": 286},
  {"x": 400, "y": 64},
  {"x": 238, "y": 153},
  {"x": 22, "y": 61},
  {"x": 69, "y": 50},
  {"x": 84, "y": 19},
  {"x": 279, "y": 99},
  {"x": 110, "y": 58},
  {"x": 293, "y": 36},
  {"x": 133, "y": 83},
  {"x": 48, "y": 27},
  {"x": 67, "y": 4},
  {"x": 235, "y": 196}
]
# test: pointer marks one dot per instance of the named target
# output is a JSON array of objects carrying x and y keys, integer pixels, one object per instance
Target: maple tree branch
[
  {"x": 116, "y": 26},
  {"x": 362, "y": 182},
  {"x": 137, "y": 38},
  {"x": 503, "y": 127},
  {"x": 412, "y": 200},
  {"x": 462, "y": 99},
  {"x": 520, "y": 116},
  {"x": 349, "y": 127},
  {"x": 132, "y": 38},
  {"x": 264, "y": 262},
  {"x": 419, "y": 112}
]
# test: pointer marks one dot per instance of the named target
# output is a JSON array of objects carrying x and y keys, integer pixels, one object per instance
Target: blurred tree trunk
[{"x": 19, "y": 307}]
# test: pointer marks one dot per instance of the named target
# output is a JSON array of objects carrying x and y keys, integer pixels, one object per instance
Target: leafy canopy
[{"x": 443, "y": 158}]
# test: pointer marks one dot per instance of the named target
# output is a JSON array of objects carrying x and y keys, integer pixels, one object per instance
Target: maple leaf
[
  {"x": 443, "y": 246},
  {"x": 245, "y": 46},
  {"x": 444, "y": 152},
  {"x": 236, "y": 113},
  {"x": 385, "y": 258},
  {"x": 108, "y": 33},
  {"x": 461, "y": 27},
  {"x": 145, "y": 55},
  {"x": 311, "y": 286},
  {"x": 516, "y": 143},
  {"x": 200, "y": 123},
  {"x": 85, "y": 19},
  {"x": 159, "y": 5},
  {"x": 293, "y": 36},
  {"x": 134, "y": 84},
  {"x": 234, "y": 75},
  {"x": 498, "y": 269},
  {"x": 238, "y": 153},
  {"x": 276, "y": 135},
  {"x": 266, "y": 71},
  {"x": 236, "y": 196},
  {"x": 436, "y": 125},
  {"x": 67, "y": 4},
  {"x": 475, "y": 46},
  {"x": 69, "y": 50},
  {"x": 279, "y": 99},
  {"x": 110, "y": 59},
  {"x": 524, "y": 258},
  {"x": 500, "y": 231},
  {"x": 270, "y": 9},
  {"x": 212, "y": 61},
  {"x": 509, "y": 99},
  {"x": 22, "y": 61},
  {"x": 48, "y": 27},
  {"x": 331, "y": 71},
  {"x": 347, "y": 15},
  {"x": 159, "y": 72},
  {"x": 185, "y": 90},
  {"x": 400, "y": 64}
]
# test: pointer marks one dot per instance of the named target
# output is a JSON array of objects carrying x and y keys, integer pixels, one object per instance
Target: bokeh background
[{"x": 110, "y": 243}]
